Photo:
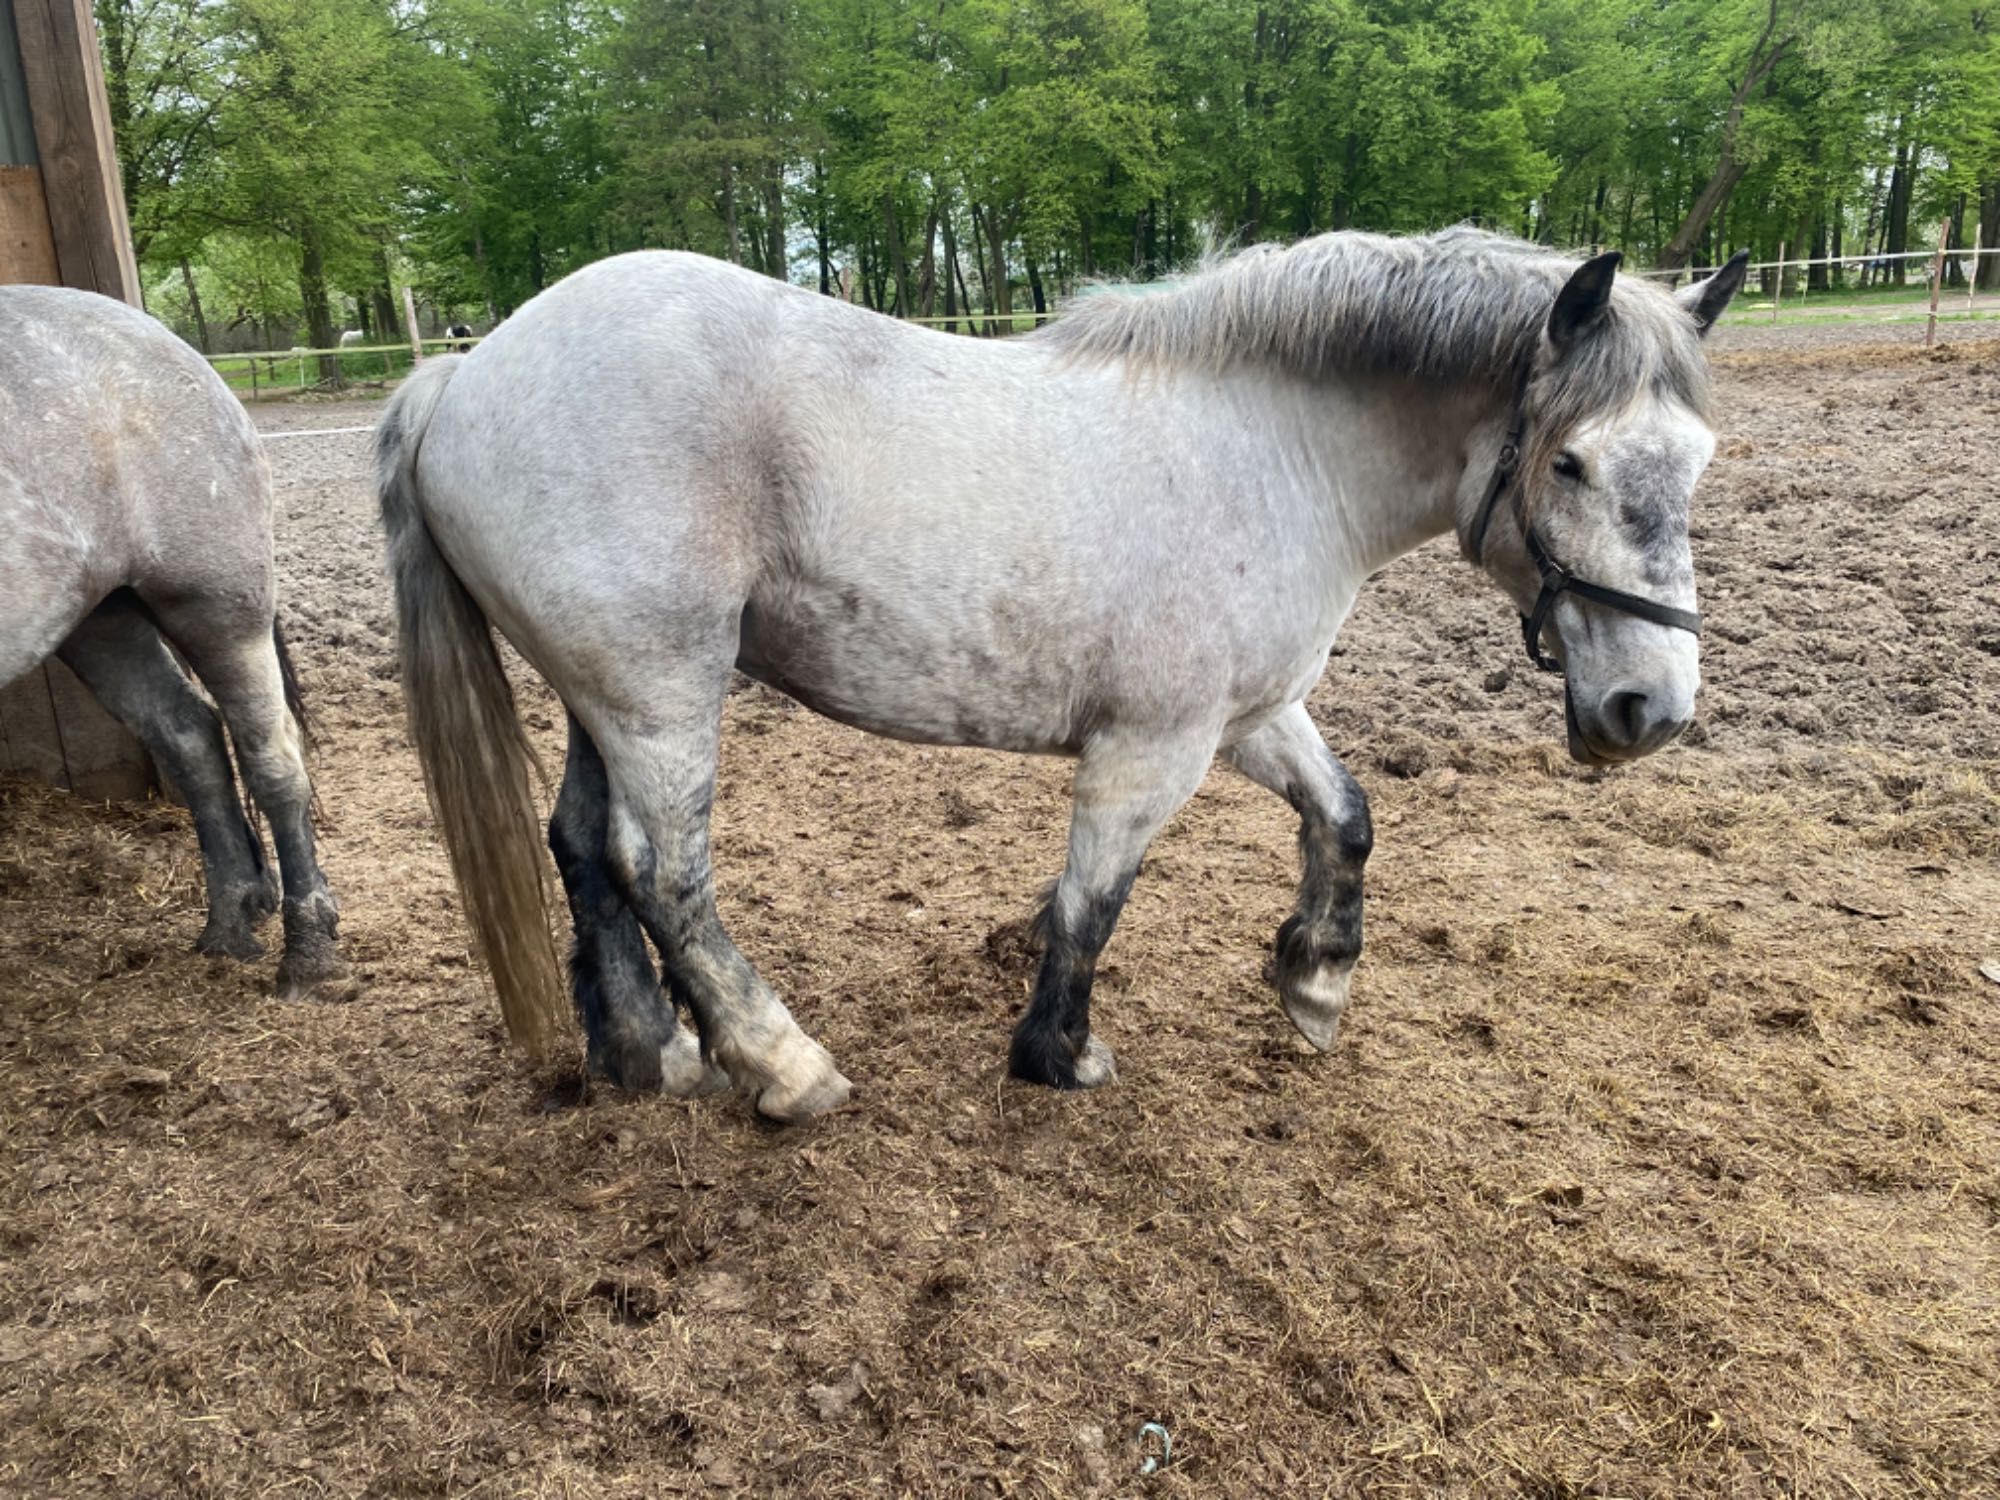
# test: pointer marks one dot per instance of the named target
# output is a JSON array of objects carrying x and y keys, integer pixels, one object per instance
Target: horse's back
[
  {"x": 650, "y": 408},
  {"x": 74, "y": 362}
]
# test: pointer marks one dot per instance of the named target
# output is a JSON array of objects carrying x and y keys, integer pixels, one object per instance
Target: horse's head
[{"x": 1585, "y": 520}]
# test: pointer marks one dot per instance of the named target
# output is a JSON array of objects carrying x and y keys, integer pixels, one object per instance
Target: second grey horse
[
  {"x": 1131, "y": 540},
  {"x": 135, "y": 513}
]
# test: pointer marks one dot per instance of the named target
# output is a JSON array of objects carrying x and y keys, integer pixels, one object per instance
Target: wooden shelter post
[{"x": 62, "y": 223}]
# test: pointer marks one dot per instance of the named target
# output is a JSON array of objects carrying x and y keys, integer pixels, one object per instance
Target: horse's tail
[
  {"x": 295, "y": 705},
  {"x": 295, "y": 698},
  {"x": 478, "y": 766}
]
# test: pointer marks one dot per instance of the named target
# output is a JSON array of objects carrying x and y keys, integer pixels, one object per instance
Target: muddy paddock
[{"x": 1660, "y": 1154}]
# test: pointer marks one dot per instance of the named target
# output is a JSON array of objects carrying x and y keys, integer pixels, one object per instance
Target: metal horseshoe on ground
[{"x": 1154, "y": 1462}]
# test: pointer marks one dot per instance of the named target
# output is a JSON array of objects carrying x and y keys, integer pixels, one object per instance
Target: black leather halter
[{"x": 1556, "y": 579}]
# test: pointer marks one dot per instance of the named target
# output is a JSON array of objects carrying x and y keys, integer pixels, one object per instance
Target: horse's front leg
[
  {"x": 1127, "y": 786},
  {"x": 1319, "y": 942}
]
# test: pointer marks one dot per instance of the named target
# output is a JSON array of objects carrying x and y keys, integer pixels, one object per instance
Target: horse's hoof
[
  {"x": 1314, "y": 1001},
  {"x": 684, "y": 1072},
  {"x": 302, "y": 982},
  {"x": 311, "y": 954},
  {"x": 228, "y": 942},
  {"x": 801, "y": 1082},
  {"x": 1042, "y": 1055},
  {"x": 1095, "y": 1066}
]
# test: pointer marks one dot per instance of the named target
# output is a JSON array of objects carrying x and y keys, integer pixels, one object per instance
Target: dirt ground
[{"x": 1660, "y": 1155}]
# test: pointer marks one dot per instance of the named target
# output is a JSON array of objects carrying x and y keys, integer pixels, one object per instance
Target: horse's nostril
[{"x": 1628, "y": 715}]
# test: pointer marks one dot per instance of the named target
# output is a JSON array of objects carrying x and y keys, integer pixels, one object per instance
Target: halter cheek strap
[{"x": 1556, "y": 579}]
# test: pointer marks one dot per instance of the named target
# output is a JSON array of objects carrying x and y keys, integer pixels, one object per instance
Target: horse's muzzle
[{"x": 1625, "y": 724}]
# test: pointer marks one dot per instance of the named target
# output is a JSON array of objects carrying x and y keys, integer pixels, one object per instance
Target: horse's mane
[{"x": 1456, "y": 305}]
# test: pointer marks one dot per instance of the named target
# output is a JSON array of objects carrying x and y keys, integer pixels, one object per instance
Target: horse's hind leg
[
  {"x": 662, "y": 775},
  {"x": 1319, "y": 943},
  {"x": 634, "y": 1039},
  {"x": 118, "y": 654},
  {"x": 234, "y": 652},
  {"x": 1127, "y": 786}
]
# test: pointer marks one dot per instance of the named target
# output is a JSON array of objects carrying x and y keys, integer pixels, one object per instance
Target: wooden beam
[
  {"x": 80, "y": 177},
  {"x": 62, "y": 223},
  {"x": 52, "y": 729},
  {"x": 27, "y": 247}
]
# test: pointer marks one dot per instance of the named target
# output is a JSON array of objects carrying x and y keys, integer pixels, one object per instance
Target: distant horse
[
  {"x": 135, "y": 505},
  {"x": 1130, "y": 539},
  {"x": 351, "y": 337},
  {"x": 461, "y": 335}
]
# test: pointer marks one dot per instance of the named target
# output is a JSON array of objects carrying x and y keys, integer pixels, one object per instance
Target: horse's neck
[{"x": 1397, "y": 457}]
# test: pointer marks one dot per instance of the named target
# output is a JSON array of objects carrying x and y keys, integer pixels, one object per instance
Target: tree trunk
[
  {"x": 485, "y": 274},
  {"x": 730, "y": 227},
  {"x": 951, "y": 274},
  {"x": 1896, "y": 231},
  {"x": 1955, "y": 240},
  {"x": 194, "y": 308},
  {"x": 1816, "y": 275},
  {"x": 927, "y": 267},
  {"x": 774, "y": 229},
  {"x": 384, "y": 297},
  {"x": 899, "y": 259},
  {"x": 820, "y": 230},
  {"x": 320, "y": 333},
  {"x": 1868, "y": 226},
  {"x": 1035, "y": 286},
  {"x": 1729, "y": 171},
  {"x": 964, "y": 293},
  {"x": 1003, "y": 286},
  {"x": 1253, "y": 193},
  {"x": 1836, "y": 274}
]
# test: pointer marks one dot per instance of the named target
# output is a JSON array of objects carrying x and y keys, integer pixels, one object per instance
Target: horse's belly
[{"x": 863, "y": 665}]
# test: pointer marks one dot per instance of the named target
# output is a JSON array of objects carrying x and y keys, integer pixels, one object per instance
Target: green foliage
[{"x": 293, "y": 159}]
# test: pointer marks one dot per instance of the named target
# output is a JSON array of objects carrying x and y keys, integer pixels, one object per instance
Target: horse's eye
[{"x": 1569, "y": 466}]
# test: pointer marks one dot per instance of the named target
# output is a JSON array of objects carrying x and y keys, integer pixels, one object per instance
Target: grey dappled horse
[
  {"x": 135, "y": 507},
  {"x": 1130, "y": 539}
]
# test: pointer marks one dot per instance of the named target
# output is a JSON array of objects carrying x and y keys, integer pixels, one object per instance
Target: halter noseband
[{"x": 1556, "y": 579}]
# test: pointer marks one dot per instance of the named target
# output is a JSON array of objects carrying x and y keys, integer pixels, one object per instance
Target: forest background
[{"x": 290, "y": 165}]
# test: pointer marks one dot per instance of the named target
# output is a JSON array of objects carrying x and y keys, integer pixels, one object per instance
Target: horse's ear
[
  {"x": 1584, "y": 298},
  {"x": 1707, "y": 299}
]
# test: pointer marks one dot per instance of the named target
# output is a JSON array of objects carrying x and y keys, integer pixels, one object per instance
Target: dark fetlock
[
  {"x": 1057, "y": 1060},
  {"x": 267, "y": 898},
  {"x": 233, "y": 918},
  {"x": 627, "y": 1062},
  {"x": 639, "y": 1044},
  {"x": 312, "y": 956}
]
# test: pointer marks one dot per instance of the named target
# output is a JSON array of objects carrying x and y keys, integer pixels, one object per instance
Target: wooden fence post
[{"x": 1937, "y": 281}]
